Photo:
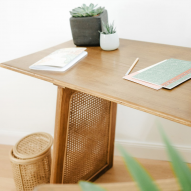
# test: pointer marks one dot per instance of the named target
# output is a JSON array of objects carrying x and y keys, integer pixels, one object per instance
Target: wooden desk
[{"x": 97, "y": 81}]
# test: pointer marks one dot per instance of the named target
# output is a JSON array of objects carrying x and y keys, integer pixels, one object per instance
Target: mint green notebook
[{"x": 167, "y": 74}]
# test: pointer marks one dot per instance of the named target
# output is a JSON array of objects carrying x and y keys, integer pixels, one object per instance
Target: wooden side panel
[
  {"x": 60, "y": 133},
  {"x": 113, "y": 112},
  {"x": 66, "y": 132}
]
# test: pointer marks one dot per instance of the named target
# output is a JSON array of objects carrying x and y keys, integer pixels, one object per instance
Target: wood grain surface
[
  {"x": 60, "y": 133},
  {"x": 100, "y": 74},
  {"x": 164, "y": 185}
]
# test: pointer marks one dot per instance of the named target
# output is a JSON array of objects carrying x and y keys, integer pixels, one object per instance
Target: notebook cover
[
  {"x": 130, "y": 78},
  {"x": 59, "y": 58},
  {"x": 168, "y": 73}
]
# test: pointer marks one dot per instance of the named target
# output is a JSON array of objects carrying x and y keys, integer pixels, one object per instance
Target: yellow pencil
[{"x": 132, "y": 66}]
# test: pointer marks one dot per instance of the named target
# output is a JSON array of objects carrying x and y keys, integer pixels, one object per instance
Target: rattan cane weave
[
  {"x": 33, "y": 145},
  {"x": 30, "y": 172},
  {"x": 88, "y": 136}
]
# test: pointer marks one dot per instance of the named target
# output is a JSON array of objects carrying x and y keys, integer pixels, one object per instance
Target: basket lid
[{"x": 33, "y": 145}]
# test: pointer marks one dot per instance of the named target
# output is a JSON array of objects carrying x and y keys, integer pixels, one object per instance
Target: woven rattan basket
[{"x": 31, "y": 161}]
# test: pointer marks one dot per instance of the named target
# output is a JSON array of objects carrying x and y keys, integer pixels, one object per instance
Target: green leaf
[
  {"x": 181, "y": 169},
  {"x": 142, "y": 178},
  {"x": 86, "y": 11},
  {"x": 91, "y": 6},
  {"x": 88, "y": 186},
  {"x": 108, "y": 28}
]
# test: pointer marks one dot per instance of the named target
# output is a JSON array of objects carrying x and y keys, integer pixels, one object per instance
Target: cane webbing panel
[
  {"x": 88, "y": 136},
  {"x": 30, "y": 173}
]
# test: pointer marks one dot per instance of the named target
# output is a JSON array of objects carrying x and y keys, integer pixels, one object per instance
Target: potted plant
[
  {"x": 109, "y": 39},
  {"x": 85, "y": 23}
]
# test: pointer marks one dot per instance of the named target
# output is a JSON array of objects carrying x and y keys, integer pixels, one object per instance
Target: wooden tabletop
[{"x": 101, "y": 72}]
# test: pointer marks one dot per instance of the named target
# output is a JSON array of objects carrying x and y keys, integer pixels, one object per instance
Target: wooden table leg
[
  {"x": 113, "y": 113},
  {"x": 84, "y": 137},
  {"x": 60, "y": 133}
]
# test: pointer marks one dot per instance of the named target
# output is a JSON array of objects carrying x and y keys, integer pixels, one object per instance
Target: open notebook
[
  {"x": 60, "y": 60},
  {"x": 166, "y": 74}
]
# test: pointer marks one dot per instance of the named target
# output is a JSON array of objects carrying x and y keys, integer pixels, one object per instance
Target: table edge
[{"x": 101, "y": 95}]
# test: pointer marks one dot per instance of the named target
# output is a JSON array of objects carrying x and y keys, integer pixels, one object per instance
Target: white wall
[{"x": 28, "y": 104}]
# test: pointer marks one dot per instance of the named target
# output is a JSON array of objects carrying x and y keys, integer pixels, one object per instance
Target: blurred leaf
[
  {"x": 142, "y": 178},
  {"x": 181, "y": 169},
  {"x": 88, "y": 186}
]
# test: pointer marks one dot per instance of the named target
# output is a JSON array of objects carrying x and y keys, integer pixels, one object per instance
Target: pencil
[{"x": 132, "y": 66}]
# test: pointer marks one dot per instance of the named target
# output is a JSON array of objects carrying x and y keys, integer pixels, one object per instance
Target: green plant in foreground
[
  {"x": 87, "y": 11},
  {"x": 144, "y": 181},
  {"x": 138, "y": 173},
  {"x": 108, "y": 28},
  {"x": 181, "y": 169},
  {"x": 88, "y": 186}
]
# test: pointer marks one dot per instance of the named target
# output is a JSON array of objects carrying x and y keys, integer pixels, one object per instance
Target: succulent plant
[
  {"x": 87, "y": 11},
  {"x": 108, "y": 28}
]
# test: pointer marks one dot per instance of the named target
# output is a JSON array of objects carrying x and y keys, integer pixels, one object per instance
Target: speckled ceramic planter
[{"x": 85, "y": 29}]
